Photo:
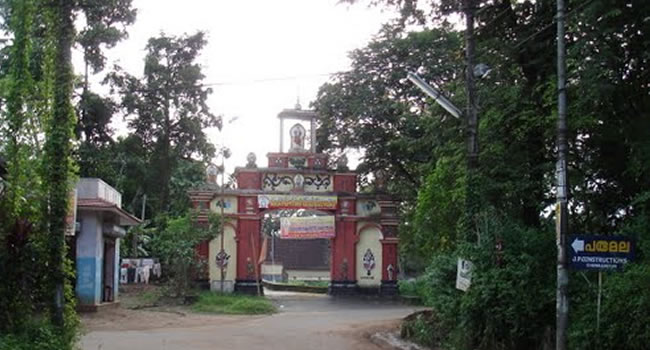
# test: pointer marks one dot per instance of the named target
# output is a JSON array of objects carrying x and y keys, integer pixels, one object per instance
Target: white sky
[{"x": 266, "y": 54}]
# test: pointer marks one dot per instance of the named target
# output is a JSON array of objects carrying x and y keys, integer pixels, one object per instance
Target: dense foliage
[
  {"x": 373, "y": 107},
  {"x": 36, "y": 138},
  {"x": 167, "y": 113}
]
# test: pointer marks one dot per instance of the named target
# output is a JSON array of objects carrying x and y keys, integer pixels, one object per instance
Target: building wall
[
  {"x": 90, "y": 254},
  {"x": 369, "y": 242},
  {"x": 116, "y": 275},
  {"x": 230, "y": 205},
  {"x": 98, "y": 189}
]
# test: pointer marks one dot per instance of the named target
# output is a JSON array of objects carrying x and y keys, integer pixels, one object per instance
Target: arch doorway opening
[{"x": 292, "y": 258}]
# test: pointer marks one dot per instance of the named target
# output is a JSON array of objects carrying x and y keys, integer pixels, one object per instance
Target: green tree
[
  {"x": 373, "y": 107},
  {"x": 168, "y": 110},
  {"x": 174, "y": 241},
  {"x": 15, "y": 211}
]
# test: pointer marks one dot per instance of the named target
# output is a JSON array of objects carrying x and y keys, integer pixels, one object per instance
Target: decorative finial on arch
[{"x": 298, "y": 106}]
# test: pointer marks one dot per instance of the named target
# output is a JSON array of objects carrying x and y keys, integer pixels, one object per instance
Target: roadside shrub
[
  {"x": 175, "y": 244},
  {"x": 511, "y": 301},
  {"x": 414, "y": 287},
  {"x": 420, "y": 327},
  {"x": 36, "y": 336},
  {"x": 625, "y": 308}
]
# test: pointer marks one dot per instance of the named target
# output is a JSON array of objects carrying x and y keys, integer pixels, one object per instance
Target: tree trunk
[{"x": 166, "y": 161}]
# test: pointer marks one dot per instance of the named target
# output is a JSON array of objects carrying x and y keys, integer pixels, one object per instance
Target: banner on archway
[
  {"x": 290, "y": 201},
  {"x": 308, "y": 227}
]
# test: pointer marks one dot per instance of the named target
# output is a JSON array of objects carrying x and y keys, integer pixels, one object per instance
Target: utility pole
[
  {"x": 561, "y": 212},
  {"x": 470, "y": 115},
  {"x": 134, "y": 244},
  {"x": 471, "y": 119}
]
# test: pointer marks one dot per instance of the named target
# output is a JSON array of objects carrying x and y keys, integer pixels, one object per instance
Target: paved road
[{"x": 304, "y": 322}]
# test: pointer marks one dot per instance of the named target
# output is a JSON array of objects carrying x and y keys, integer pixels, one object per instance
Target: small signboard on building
[
  {"x": 594, "y": 252},
  {"x": 275, "y": 201},
  {"x": 463, "y": 274},
  {"x": 307, "y": 227}
]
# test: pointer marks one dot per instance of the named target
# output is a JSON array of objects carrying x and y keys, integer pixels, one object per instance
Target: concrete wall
[
  {"x": 93, "y": 188},
  {"x": 90, "y": 254}
]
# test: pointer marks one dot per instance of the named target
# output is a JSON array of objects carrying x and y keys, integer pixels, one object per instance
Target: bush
[
  {"x": 624, "y": 313},
  {"x": 36, "y": 336},
  {"x": 508, "y": 306},
  {"x": 175, "y": 243},
  {"x": 419, "y": 328}
]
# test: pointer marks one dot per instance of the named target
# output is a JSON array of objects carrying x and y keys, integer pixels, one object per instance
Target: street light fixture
[
  {"x": 436, "y": 95},
  {"x": 481, "y": 70}
]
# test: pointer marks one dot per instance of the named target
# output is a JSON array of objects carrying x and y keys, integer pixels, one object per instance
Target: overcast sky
[{"x": 261, "y": 55}]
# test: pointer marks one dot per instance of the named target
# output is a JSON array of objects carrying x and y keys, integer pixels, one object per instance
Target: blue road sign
[{"x": 593, "y": 252}]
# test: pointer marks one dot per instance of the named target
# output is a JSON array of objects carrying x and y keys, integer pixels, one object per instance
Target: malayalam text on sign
[{"x": 599, "y": 252}]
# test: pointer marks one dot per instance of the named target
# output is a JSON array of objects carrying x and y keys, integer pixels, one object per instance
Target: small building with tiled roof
[{"x": 100, "y": 222}]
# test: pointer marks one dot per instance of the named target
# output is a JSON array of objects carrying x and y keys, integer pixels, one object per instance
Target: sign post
[
  {"x": 463, "y": 274},
  {"x": 592, "y": 252}
]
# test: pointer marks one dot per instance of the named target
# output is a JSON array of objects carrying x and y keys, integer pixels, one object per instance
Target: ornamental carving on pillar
[
  {"x": 389, "y": 271},
  {"x": 222, "y": 259},
  {"x": 250, "y": 268},
  {"x": 369, "y": 261},
  {"x": 344, "y": 269}
]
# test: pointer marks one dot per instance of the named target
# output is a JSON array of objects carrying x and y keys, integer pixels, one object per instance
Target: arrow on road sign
[{"x": 578, "y": 245}]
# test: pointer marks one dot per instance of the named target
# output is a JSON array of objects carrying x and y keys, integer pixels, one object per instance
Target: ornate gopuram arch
[{"x": 364, "y": 247}]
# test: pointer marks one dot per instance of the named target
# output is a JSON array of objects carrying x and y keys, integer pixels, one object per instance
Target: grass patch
[
  {"x": 232, "y": 304},
  {"x": 322, "y": 284},
  {"x": 140, "y": 296}
]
